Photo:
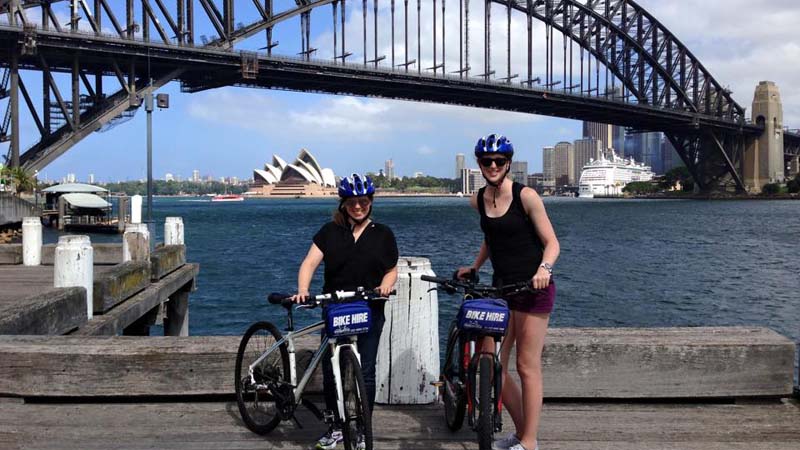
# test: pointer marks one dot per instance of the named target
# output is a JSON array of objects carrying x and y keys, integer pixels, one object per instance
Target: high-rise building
[
  {"x": 471, "y": 181},
  {"x": 536, "y": 181},
  {"x": 388, "y": 169},
  {"x": 670, "y": 156},
  {"x": 90, "y": 178},
  {"x": 418, "y": 174},
  {"x": 519, "y": 172},
  {"x": 459, "y": 164},
  {"x": 564, "y": 164},
  {"x": 611, "y": 136},
  {"x": 586, "y": 149},
  {"x": 646, "y": 148},
  {"x": 169, "y": 177},
  {"x": 196, "y": 176},
  {"x": 548, "y": 164},
  {"x": 234, "y": 181}
]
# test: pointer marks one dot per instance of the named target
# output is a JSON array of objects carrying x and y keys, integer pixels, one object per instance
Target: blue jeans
[{"x": 368, "y": 349}]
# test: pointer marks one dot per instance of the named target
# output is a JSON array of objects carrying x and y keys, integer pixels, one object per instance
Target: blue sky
[{"x": 231, "y": 131}]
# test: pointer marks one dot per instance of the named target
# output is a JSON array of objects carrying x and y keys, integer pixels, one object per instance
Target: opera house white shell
[{"x": 304, "y": 169}]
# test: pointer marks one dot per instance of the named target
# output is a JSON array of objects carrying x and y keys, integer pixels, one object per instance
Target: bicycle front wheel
[
  {"x": 257, "y": 405},
  {"x": 453, "y": 396},
  {"x": 485, "y": 426},
  {"x": 357, "y": 420}
]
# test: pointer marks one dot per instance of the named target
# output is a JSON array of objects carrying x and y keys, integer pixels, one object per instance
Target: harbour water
[{"x": 624, "y": 263}]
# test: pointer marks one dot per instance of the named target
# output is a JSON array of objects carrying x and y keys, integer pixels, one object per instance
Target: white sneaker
[
  {"x": 505, "y": 443},
  {"x": 330, "y": 439},
  {"x": 518, "y": 446}
]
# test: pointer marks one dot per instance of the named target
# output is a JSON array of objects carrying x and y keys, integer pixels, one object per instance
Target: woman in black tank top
[{"x": 521, "y": 243}]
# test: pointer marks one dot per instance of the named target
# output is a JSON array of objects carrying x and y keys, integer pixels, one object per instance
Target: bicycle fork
[
  {"x": 336, "y": 349},
  {"x": 471, "y": 362}
]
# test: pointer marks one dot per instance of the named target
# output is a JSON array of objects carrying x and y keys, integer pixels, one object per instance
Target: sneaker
[
  {"x": 505, "y": 443},
  {"x": 518, "y": 446},
  {"x": 330, "y": 439},
  {"x": 361, "y": 444}
]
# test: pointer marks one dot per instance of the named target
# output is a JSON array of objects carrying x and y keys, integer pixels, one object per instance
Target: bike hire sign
[
  {"x": 346, "y": 319},
  {"x": 484, "y": 315}
]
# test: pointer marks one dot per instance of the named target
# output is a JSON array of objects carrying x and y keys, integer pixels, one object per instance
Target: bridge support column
[
  {"x": 794, "y": 167},
  {"x": 763, "y": 161}
]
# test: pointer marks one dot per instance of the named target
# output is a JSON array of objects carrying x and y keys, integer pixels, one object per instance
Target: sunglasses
[
  {"x": 360, "y": 201},
  {"x": 487, "y": 162}
]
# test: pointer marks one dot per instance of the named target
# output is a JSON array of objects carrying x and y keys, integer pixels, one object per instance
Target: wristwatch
[{"x": 547, "y": 266}]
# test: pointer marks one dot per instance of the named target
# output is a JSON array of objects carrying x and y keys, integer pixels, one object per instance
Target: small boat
[{"x": 227, "y": 198}]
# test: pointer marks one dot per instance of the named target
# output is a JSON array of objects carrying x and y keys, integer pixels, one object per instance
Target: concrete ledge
[
  {"x": 164, "y": 260},
  {"x": 10, "y": 253},
  {"x": 56, "y": 311},
  {"x": 579, "y": 363},
  {"x": 120, "y": 282},
  {"x": 103, "y": 254}
]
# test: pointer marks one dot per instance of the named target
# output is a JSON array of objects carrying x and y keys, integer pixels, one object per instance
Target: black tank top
[{"x": 514, "y": 247}]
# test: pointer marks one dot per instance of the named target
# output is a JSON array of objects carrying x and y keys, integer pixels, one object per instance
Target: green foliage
[
  {"x": 771, "y": 189},
  {"x": 640, "y": 187},
  {"x": 680, "y": 173},
  {"x": 17, "y": 179},
  {"x": 420, "y": 184},
  {"x": 793, "y": 186},
  {"x": 161, "y": 187}
]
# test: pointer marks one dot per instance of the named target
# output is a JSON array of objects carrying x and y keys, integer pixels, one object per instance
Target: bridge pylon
[{"x": 764, "y": 156}]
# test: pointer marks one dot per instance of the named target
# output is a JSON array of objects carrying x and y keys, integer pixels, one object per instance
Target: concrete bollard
[
  {"x": 408, "y": 354},
  {"x": 136, "y": 209},
  {"x": 74, "y": 266},
  {"x": 136, "y": 243},
  {"x": 173, "y": 231},
  {"x": 122, "y": 209},
  {"x": 31, "y": 241}
]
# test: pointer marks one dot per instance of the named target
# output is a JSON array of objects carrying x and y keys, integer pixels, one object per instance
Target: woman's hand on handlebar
[
  {"x": 300, "y": 297},
  {"x": 464, "y": 273},
  {"x": 384, "y": 291}
]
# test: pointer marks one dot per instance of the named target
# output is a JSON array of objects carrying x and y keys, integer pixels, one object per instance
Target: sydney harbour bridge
[{"x": 607, "y": 61}]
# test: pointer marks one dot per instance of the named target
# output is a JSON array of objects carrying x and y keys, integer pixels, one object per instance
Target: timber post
[
  {"x": 31, "y": 241},
  {"x": 136, "y": 243},
  {"x": 74, "y": 266},
  {"x": 173, "y": 231}
]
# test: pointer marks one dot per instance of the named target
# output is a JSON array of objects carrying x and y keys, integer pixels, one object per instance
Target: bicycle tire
[
  {"x": 254, "y": 406},
  {"x": 357, "y": 420},
  {"x": 453, "y": 395},
  {"x": 485, "y": 426}
]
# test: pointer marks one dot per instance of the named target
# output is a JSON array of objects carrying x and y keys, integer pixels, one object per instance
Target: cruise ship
[{"x": 605, "y": 177}]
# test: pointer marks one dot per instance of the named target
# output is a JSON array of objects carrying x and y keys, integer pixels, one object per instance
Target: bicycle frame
[{"x": 336, "y": 346}]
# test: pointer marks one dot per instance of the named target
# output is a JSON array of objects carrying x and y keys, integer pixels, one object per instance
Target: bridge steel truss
[{"x": 618, "y": 65}]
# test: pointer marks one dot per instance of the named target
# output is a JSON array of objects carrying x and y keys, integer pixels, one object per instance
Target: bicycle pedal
[{"x": 438, "y": 384}]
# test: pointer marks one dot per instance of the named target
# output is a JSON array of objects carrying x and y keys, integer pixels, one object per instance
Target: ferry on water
[
  {"x": 605, "y": 177},
  {"x": 227, "y": 198}
]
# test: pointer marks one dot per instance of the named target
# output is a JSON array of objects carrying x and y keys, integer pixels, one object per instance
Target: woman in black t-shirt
[{"x": 357, "y": 253}]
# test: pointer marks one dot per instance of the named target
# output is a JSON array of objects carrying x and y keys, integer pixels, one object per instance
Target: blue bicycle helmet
[
  {"x": 494, "y": 144},
  {"x": 356, "y": 186}
]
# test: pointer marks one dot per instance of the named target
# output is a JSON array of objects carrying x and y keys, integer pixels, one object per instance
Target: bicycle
[
  {"x": 482, "y": 315},
  {"x": 267, "y": 387}
]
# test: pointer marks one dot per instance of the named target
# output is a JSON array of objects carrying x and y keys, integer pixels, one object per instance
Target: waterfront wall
[{"x": 13, "y": 209}]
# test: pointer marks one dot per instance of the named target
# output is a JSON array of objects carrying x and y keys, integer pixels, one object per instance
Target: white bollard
[
  {"x": 136, "y": 243},
  {"x": 173, "y": 231},
  {"x": 31, "y": 241},
  {"x": 410, "y": 340},
  {"x": 74, "y": 266},
  {"x": 136, "y": 209}
]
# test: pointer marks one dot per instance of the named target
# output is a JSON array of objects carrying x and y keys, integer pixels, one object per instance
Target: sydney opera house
[{"x": 303, "y": 177}]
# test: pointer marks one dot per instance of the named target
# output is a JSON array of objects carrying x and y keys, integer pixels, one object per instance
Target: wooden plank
[
  {"x": 166, "y": 259},
  {"x": 121, "y": 365},
  {"x": 10, "y": 253},
  {"x": 52, "y": 312},
  {"x": 564, "y": 426},
  {"x": 137, "y": 306},
  {"x": 666, "y": 362},
  {"x": 119, "y": 283},
  {"x": 103, "y": 253}
]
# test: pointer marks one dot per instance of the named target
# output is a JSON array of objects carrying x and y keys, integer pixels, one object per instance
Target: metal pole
[{"x": 148, "y": 106}]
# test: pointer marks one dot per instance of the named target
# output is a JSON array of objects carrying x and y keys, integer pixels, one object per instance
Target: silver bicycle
[{"x": 267, "y": 387}]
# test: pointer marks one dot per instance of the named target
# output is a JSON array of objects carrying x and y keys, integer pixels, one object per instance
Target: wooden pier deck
[{"x": 565, "y": 426}]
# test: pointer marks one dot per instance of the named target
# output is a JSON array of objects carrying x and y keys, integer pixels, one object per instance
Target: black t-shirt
[{"x": 351, "y": 264}]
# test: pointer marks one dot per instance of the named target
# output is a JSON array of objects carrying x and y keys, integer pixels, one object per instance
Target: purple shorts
[{"x": 536, "y": 302}]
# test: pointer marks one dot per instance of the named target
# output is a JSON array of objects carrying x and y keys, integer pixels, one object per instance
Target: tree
[
  {"x": 18, "y": 179},
  {"x": 771, "y": 189},
  {"x": 640, "y": 187}
]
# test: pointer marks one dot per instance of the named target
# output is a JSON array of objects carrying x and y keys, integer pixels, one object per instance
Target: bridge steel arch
[{"x": 662, "y": 85}]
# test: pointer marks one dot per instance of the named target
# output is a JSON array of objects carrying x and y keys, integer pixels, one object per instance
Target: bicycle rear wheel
[
  {"x": 455, "y": 401},
  {"x": 357, "y": 420},
  {"x": 485, "y": 426},
  {"x": 256, "y": 404}
]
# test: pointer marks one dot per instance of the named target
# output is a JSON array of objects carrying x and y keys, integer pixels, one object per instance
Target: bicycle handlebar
[
  {"x": 467, "y": 286},
  {"x": 312, "y": 301}
]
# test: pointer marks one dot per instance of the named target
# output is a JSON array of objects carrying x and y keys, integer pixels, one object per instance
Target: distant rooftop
[{"x": 74, "y": 187}]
